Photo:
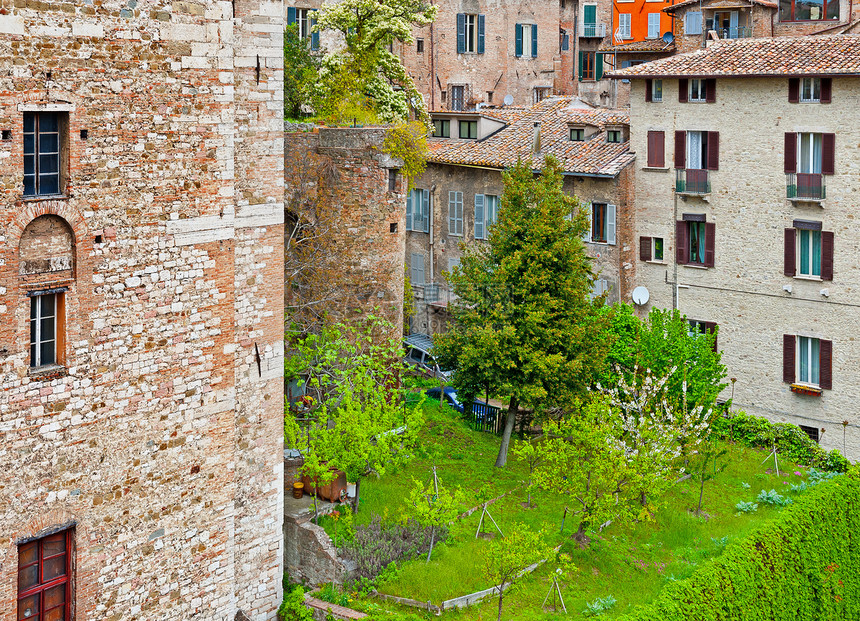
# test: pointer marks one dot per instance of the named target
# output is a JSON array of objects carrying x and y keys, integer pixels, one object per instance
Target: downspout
[
  {"x": 432, "y": 83},
  {"x": 675, "y": 292},
  {"x": 432, "y": 255}
]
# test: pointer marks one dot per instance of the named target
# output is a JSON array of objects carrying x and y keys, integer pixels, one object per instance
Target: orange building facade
[{"x": 639, "y": 20}]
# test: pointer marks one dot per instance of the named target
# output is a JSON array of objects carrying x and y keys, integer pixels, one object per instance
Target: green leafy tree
[
  {"x": 524, "y": 324},
  {"x": 363, "y": 80},
  {"x": 301, "y": 66},
  {"x": 527, "y": 452},
  {"x": 705, "y": 466},
  {"x": 434, "y": 505},
  {"x": 508, "y": 556},
  {"x": 360, "y": 420}
]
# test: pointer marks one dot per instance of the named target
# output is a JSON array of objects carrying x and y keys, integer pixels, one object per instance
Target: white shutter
[
  {"x": 693, "y": 23},
  {"x": 409, "y": 211},
  {"x": 610, "y": 224},
  {"x": 587, "y": 235},
  {"x": 425, "y": 210},
  {"x": 452, "y": 213},
  {"x": 653, "y": 25},
  {"x": 417, "y": 275},
  {"x": 479, "y": 216}
]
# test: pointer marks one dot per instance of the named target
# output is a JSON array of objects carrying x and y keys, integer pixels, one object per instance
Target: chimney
[{"x": 536, "y": 139}]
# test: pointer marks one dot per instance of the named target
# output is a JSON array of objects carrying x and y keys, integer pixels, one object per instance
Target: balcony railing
[
  {"x": 805, "y": 186},
  {"x": 738, "y": 32},
  {"x": 692, "y": 181},
  {"x": 594, "y": 30}
]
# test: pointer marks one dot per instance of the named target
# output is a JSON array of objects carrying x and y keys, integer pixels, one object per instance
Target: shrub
[
  {"x": 773, "y": 499},
  {"x": 379, "y": 543},
  {"x": 790, "y": 440},
  {"x": 293, "y": 607},
  {"x": 598, "y": 606},
  {"x": 332, "y": 594},
  {"x": 746, "y": 507},
  {"x": 802, "y": 565}
]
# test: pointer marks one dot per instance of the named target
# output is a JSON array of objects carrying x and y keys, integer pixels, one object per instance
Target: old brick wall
[
  {"x": 160, "y": 437},
  {"x": 613, "y": 262},
  {"x": 744, "y": 293},
  {"x": 369, "y": 228}
]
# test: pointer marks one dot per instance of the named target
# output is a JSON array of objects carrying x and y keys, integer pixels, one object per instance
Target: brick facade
[
  {"x": 747, "y": 292},
  {"x": 159, "y": 434}
]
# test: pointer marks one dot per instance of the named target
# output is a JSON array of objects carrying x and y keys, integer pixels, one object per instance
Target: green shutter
[
  {"x": 519, "y": 40},
  {"x": 534, "y": 40},
  {"x": 291, "y": 15},
  {"x": 461, "y": 33},
  {"x": 480, "y": 34},
  {"x": 315, "y": 35},
  {"x": 589, "y": 14},
  {"x": 598, "y": 70}
]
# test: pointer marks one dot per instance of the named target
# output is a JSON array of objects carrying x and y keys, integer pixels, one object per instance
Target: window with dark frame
[
  {"x": 658, "y": 248},
  {"x": 392, "y": 180},
  {"x": 696, "y": 231},
  {"x": 614, "y": 135},
  {"x": 43, "y": 329},
  {"x": 806, "y": 11},
  {"x": 42, "y": 153},
  {"x": 598, "y": 222},
  {"x": 577, "y": 134},
  {"x": 812, "y": 432},
  {"x": 44, "y": 577},
  {"x": 441, "y": 128},
  {"x": 468, "y": 129},
  {"x": 419, "y": 46},
  {"x": 588, "y": 65},
  {"x": 457, "y": 97},
  {"x": 807, "y": 361}
]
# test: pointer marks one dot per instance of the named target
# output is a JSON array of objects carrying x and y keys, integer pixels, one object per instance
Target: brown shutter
[
  {"x": 710, "y": 243},
  {"x": 645, "y": 248},
  {"x": 711, "y": 328},
  {"x": 713, "y": 150},
  {"x": 656, "y": 149},
  {"x": 826, "y": 255},
  {"x": 790, "y": 248},
  {"x": 683, "y": 90},
  {"x": 826, "y": 90},
  {"x": 680, "y": 149},
  {"x": 682, "y": 250},
  {"x": 828, "y": 155},
  {"x": 790, "y": 152},
  {"x": 793, "y": 90},
  {"x": 647, "y": 90},
  {"x": 825, "y": 364},
  {"x": 788, "y": 345},
  {"x": 710, "y": 90}
]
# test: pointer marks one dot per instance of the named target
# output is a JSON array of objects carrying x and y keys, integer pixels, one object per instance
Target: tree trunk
[
  {"x": 701, "y": 493},
  {"x": 432, "y": 539},
  {"x": 501, "y": 595},
  {"x": 643, "y": 498},
  {"x": 357, "y": 490},
  {"x": 513, "y": 409}
]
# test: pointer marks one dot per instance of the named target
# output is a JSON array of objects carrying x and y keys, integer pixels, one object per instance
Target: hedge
[
  {"x": 803, "y": 566},
  {"x": 790, "y": 440}
]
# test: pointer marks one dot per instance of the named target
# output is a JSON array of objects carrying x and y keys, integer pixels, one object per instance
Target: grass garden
[{"x": 620, "y": 568}]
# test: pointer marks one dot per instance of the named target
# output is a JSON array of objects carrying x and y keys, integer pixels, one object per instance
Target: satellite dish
[
  {"x": 668, "y": 38},
  {"x": 641, "y": 296},
  {"x": 509, "y": 99}
]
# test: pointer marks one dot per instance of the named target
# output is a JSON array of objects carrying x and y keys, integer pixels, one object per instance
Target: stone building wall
[
  {"x": 440, "y": 249},
  {"x": 744, "y": 293},
  {"x": 158, "y": 437},
  {"x": 368, "y": 230}
]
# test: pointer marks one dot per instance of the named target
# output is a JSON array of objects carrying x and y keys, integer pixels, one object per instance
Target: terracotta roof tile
[
  {"x": 504, "y": 148},
  {"x": 649, "y": 45},
  {"x": 811, "y": 55}
]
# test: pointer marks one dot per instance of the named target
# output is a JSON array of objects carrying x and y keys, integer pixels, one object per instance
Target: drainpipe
[
  {"x": 432, "y": 255},
  {"x": 675, "y": 292},
  {"x": 432, "y": 78}
]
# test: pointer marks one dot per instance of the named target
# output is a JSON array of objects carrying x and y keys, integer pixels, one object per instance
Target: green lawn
[{"x": 630, "y": 563}]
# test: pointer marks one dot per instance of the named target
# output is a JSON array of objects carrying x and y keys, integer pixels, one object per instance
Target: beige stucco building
[{"x": 747, "y": 172}]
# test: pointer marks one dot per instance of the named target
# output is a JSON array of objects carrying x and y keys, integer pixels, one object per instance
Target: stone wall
[
  {"x": 745, "y": 292},
  {"x": 159, "y": 434}
]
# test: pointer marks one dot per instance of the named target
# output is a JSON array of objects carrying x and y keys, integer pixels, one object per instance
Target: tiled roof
[
  {"x": 782, "y": 56},
  {"x": 504, "y": 148},
  {"x": 717, "y": 4},
  {"x": 649, "y": 45}
]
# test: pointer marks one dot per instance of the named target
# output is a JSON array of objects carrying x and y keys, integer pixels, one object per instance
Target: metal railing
[
  {"x": 738, "y": 32},
  {"x": 594, "y": 30},
  {"x": 692, "y": 181},
  {"x": 805, "y": 186}
]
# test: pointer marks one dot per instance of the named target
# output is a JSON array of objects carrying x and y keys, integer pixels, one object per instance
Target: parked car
[
  {"x": 449, "y": 395},
  {"x": 418, "y": 347}
]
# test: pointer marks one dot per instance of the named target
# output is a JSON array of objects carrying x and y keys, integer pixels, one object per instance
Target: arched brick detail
[{"x": 34, "y": 209}]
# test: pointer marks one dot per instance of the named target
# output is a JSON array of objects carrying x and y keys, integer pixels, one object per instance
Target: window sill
[
  {"x": 703, "y": 195},
  {"x": 807, "y": 278},
  {"x": 655, "y": 262},
  {"x": 47, "y": 372},
  {"x": 599, "y": 243},
  {"x": 806, "y": 389},
  {"x": 44, "y": 197},
  {"x": 657, "y": 168},
  {"x": 693, "y": 266},
  {"x": 811, "y": 201}
]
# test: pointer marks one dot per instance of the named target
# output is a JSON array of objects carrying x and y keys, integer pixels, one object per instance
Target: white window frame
[
  {"x": 609, "y": 223},
  {"x": 812, "y": 86},
  {"x": 303, "y": 21},
  {"x": 455, "y": 213},
  {"x": 698, "y": 90},
  {"x": 491, "y": 211},
  {"x": 700, "y": 157},
  {"x": 812, "y": 353},
  {"x": 811, "y": 253},
  {"x": 470, "y": 33},
  {"x": 654, "y": 249},
  {"x": 814, "y": 153},
  {"x": 625, "y": 25},
  {"x": 656, "y": 91},
  {"x": 653, "y": 28},
  {"x": 37, "y": 339}
]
